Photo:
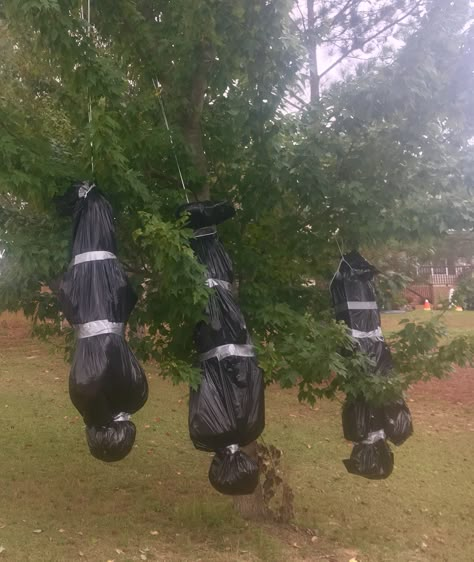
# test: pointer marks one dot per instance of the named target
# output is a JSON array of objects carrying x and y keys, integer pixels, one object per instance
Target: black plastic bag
[
  {"x": 373, "y": 460},
  {"x": 354, "y": 299},
  {"x": 227, "y": 408},
  {"x": 233, "y": 472},
  {"x": 227, "y": 411},
  {"x": 359, "y": 419},
  {"x": 106, "y": 383},
  {"x": 397, "y": 422},
  {"x": 355, "y": 304}
]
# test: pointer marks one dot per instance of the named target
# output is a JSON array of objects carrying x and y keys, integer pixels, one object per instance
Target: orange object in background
[{"x": 427, "y": 305}]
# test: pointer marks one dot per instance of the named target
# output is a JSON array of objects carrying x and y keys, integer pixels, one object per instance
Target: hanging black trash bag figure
[
  {"x": 106, "y": 383},
  {"x": 366, "y": 425},
  {"x": 227, "y": 411}
]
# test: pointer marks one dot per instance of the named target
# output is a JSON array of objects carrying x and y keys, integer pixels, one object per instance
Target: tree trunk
[
  {"x": 251, "y": 506},
  {"x": 192, "y": 129},
  {"x": 312, "y": 53}
]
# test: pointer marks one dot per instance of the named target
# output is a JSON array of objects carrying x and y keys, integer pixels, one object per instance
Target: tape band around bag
[
  {"x": 219, "y": 283},
  {"x": 123, "y": 416},
  {"x": 373, "y": 437},
  {"x": 229, "y": 350},
  {"x": 92, "y": 256},
  {"x": 97, "y": 328},
  {"x": 356, "y": 305},
  {"x": 233, "y": 449},
  {"x": 84, "y": 189},
  {"x": 373, "y": 335},
  {"x": 205, "y": 231}
]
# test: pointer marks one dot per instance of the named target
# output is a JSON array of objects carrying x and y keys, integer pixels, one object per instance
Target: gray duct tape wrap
[
  {"x": 123, "y": 416},
  {"x": 356, "y": 305},
  {"x": 373, "y": 335},
  {"x": 205, "y": 231},
  {"x": 219, "y": 283},
  {"x": 98, "y": 327},
  {"x": 374, "y": 437},
  {"x": 230, "y": 350},
  {"x": 92, "y": 256}
]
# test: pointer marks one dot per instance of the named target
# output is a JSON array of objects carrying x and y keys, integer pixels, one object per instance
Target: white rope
[
  {"x": 156, "y": 85},
  {"x": 343, "y": 260},
  {"x": 89, "y": 98}
]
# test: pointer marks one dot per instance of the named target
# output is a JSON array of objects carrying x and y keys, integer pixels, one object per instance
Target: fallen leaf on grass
[
  {"x": 61, "y": 530},
  {"x": 353, "y": 560},
  {"x": 119, "y": 551},
  {"x": 154, "y": 533},
  {"x": 143, "y": 557},
  {"x": 2, "y": 549},
  {"x": 37, "y": 531}
]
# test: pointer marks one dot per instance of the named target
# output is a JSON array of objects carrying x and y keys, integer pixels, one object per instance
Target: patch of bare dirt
[
  {"x": 14, "y": 326},
  {"x": 457, "y": 389}
]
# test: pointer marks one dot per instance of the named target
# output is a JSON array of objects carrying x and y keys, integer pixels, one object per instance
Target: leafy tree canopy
[{"x": 383, "y": 151}]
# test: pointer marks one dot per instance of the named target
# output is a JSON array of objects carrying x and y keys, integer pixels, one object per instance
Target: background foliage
[{"x": 379, "y": 151}]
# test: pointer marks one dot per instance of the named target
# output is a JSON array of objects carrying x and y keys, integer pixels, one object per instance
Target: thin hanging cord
[
  {"x": 89, "y": 102},
  {"x": 343, "y": 260},
  {"x": 340, "y": 249},
  {"x": 156, "y": 85}
]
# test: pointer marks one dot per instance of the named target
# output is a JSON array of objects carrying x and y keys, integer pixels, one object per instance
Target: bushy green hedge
[{"x": 464, "y": 294}]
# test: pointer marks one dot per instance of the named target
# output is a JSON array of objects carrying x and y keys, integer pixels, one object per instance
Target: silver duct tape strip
[
  {"x": 233, "y": 449},
  {"x": 373, "y": 335},
  {"x": 85, "y": 188},
  {"x": 93, "y": 256},
  {"x": 229, "y": 350},
  {"x": 99, "y": 327},
  {"x": 123, "y": 416},
  {"x": 356, "y": 305},
  {"x": 219, "y": 283},
  {"x": 374, "y": 436},
  {"x": 205, "y": 231}
]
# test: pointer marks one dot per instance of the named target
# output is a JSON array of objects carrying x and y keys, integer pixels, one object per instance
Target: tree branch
[
  {"x": 341, "y": 11},
  {"x": 300, "y": 100},
  {"x": 314, "y": 80},
  {"x": 192, "y": 130},
  {"x": 369, "y": 39},
  {"x": 299, "y": 108},
  {"x": 302, "y": 17}
]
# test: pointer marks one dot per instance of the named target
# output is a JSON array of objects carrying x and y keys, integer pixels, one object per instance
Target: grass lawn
[
  {"x": 458, "y": 323},
  {"x": 57, "y": 503}
]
